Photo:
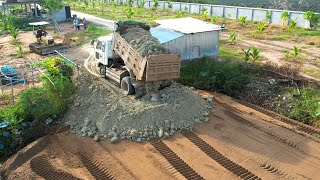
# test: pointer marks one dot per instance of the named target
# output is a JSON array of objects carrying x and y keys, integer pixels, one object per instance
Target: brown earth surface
[
  {"x": 260, "y": 143},
  {"x": 258, "y": 150},
  {"x": 274, "y": 52},
  {"x": 264, "y": 146}
]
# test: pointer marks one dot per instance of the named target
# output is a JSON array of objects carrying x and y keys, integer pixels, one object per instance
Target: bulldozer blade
[{"x": 48, "y": 49}]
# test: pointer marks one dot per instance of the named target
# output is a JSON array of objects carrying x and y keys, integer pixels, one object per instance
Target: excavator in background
[
  {"x": 119, "y": 61},
  {"x": 44, "y": 44}
]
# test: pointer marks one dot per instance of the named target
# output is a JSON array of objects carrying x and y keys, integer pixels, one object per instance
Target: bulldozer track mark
[
  {"x": 301, "y": 127},
  {"x": 94, "y": 167},
  {"x": 41, "y": 166},
  {"x": 180, "y": 165},
  {"x": 218, "y": 157},
  {"x": 273, "y": 170},
  {"x": 276, "y": 137},
  {"x": 249, "y": 123}
]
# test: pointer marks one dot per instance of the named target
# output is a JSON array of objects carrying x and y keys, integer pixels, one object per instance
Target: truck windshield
[{"x": 99, "y": 45}]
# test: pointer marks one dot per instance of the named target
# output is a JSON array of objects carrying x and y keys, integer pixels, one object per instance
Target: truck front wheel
[
  {"x": 103, "y": 71},
  {"x": 126, "y": 86}
]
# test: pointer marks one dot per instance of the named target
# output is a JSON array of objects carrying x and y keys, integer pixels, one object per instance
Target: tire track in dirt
[
  {"x": 268, "y": 167},
  {"x": 274, "y": 136},
  {"x": 301, "y": 127},
  {"x": 175, "y": 160},
  {"x": 41, "y": 166},
  {"x": 94, "y": 167},
  {"x": 218, "y": 157}
]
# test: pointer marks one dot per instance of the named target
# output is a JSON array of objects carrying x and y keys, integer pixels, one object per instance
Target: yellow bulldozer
[{"x": 43, "y": 43}]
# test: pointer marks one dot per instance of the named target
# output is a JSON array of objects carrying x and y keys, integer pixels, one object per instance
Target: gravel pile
[
  {"x": 144, "y": 42},
  {"x": 100, "y": 110}
]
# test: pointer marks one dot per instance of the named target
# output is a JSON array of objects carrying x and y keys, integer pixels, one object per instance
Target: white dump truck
[{"x": 119, "y": 61}]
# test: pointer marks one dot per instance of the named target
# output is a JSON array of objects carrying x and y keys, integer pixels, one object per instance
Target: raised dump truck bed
[{"x": 152, "y": 68}]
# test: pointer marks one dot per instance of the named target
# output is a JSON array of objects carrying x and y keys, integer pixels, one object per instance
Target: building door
[{"x": 195, "y": 52}]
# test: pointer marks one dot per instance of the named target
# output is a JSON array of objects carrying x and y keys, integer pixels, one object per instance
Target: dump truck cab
[{"x": 103, "y": 50}]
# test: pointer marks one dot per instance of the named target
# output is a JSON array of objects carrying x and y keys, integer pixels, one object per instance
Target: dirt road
[
  {"x": 104, "y": 22},
  {"x": 237, "y": 141}
]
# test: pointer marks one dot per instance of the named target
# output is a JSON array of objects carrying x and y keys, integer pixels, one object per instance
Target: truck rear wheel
[
  {"x": 103, "y": 71},
  {"x": 126, "y": 86}
]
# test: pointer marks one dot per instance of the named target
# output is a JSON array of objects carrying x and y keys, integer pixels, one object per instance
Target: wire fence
[
  {"x": 22, "y": 76},
  {"x": 15, "y": 78}
]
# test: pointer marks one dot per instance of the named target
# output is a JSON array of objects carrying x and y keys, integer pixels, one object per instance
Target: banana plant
[
  {"x": 243, "y": 20},
  {"x": 213, "y": 19},
  {"x": 129, "y": 13},
  {"x": 169, "y": 4},
  {"x": 255, "y": 54},
  {"x": 247, "y": 55},
  {"x": 155, "y": 4},
  {"x": 292, "y": 24},
  {"x": 259, "y": 29},
  {"x": 296, "y": 51},
  {"x": 232, "y": 37},
  {"x": 308, "y": 17},
  {"x": 284, "y": 16},
  {"x": 204, "y": 13},
  {"x": 268, "y": 16},
  {"x": 20, "y": 51}
]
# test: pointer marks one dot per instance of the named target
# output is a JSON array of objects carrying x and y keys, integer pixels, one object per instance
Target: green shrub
[
  {"x": 232, "y": 38},
  {"x": 246, "y": 55},
  {"x": 292, "y": 24},
  {"x": 268, "y": 16},
  {"x": 284, "y": 16},
  {"x": 255, "y": 54},
  {"x": 307, "y": 109},
  {"x": 36, "y": 105},
  {"x": 20, "y": 51},
  {"x": 243, "y": 20},
  {"x": 258, "y": 30},
  {"x": 213, "y": 19},
  {"x": 226, "y": 77}
]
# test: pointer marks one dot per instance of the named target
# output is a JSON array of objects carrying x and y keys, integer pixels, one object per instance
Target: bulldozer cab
[{"x": 39, "y": 33}]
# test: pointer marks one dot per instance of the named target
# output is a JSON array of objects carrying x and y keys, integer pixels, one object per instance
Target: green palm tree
[{"x": 284, "y": 16}]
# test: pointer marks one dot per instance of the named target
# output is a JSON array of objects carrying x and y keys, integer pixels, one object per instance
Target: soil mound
[{"x": 101, "y": 109}]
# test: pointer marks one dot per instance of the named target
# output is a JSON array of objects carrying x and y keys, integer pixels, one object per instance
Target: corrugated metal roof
[
  {"x": 187, "y": 25},
  {"x": 164, "y": 35}
]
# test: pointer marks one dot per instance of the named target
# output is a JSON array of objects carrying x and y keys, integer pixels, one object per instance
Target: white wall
[{"x": 234, "y": 12}]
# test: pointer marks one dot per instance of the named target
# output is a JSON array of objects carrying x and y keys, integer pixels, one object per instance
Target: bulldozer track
[
  {"x": 218, "y": 157},
  {"x": 278, "y": 138},
  {"x": 181, "y": 166},
  {"x": 301, "y": 127},
  {"x": 94, "y": 167},
  {"x": 41, "y": 166},
  {"x": 273, "y": 170}
]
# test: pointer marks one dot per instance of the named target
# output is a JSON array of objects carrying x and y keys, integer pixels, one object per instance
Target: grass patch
[
  {"x": 309, "y": 33},
  {"x": 312, "y": 72},
  {"x": 307, "y": 109},
  {"x": 228, "y": 52},
  {"x": 225, "y": 77},
  {"x": 82, "y": 37}
]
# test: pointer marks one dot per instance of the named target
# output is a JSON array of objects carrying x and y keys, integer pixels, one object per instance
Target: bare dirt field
[
  {"x": 274, "y": 52},
  {"x": 237, "y": 141}
]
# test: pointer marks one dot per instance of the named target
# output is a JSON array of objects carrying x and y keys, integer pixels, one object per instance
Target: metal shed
[{"x": 190, "y": 38}]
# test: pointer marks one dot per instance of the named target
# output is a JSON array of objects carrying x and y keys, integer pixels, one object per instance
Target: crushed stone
[
  {"x": 103, "y": 110},
  {"x": 144, "y": 42}
]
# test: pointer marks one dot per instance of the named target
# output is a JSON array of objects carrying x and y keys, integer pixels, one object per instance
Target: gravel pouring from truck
[{"x": 120, "y": 61}]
